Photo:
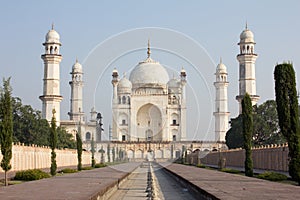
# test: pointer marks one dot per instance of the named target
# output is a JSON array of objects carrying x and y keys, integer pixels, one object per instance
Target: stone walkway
[
  {"x": 227, "y": 186},
  {"x": 166, "y": 188},
  {"x": 78, "y": 186}
]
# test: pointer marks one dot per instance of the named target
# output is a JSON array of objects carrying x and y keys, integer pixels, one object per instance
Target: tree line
[
  {"x": 29, "y": 127},
  {"x": 272, "y": 122},
  {"x": 266, "y": 128}
]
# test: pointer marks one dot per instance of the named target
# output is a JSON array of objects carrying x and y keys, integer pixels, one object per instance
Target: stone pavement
[
  {"x": 227, "y": 186},
  {"x": 78, "y": 186},
  {"x": 166, "y": 188},
  {"x": 255, "y": 171}
]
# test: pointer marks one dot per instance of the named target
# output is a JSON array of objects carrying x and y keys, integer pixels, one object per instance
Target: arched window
[
  {"x": 55, "y": 50},
  {"x": 128, "y": 100},
  {"x": 123, "y": 100},
  {"x": 119, "y": 100},
  {"x": 174, "y": 137},
  {"x": 88, "y": 136},
  {"x": 51, "y": 49}
]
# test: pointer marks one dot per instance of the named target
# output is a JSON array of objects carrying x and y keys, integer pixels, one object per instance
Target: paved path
[
  {"x": 167, "y": 188},
  {"x": 78, "y": 186},
  {"x": 255, "y": 171},
  {"x": 227, "y": 186}
]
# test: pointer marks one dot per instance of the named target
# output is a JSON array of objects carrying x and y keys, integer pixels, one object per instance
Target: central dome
[{"x": 149, "y": 71}]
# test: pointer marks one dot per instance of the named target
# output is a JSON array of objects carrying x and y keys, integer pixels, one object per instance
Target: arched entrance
[
  {"x": 149, "y": 123},
  {"x": 150, "y": 156},
  {"x": 149, "y": 135}
]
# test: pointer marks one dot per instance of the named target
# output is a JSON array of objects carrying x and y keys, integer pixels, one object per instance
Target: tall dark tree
[
  {"x": 29, "y": 127},
  {"x": 93, "y": 151},
  {"x": 113, "y": 152},
  {"x": 234, "y": 136},
  {"x": 53, "y": 144},
  {"x": 6, "y": 127},
  {"x": 102, "y": 155},
  {"x": 247, "y": 133},
  {"x": 79, "y": 147},
  {"x": 266, "y": 126},
  {"x": 108, "y": 152},
  {"x": 287, "y": 107},
  {"x": 65, "y": 139}
]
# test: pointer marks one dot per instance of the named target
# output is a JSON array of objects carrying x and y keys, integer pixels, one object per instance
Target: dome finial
[
  {"x": 52, "y": 26},
  {"x": 149, "y": 51},
  {"x": 246, "y": 25},
  {"x": 76, "y": 60},
  {"x": 220, "y": 59}
]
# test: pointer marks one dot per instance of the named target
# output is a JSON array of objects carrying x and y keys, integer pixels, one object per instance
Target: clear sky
[{"x": 98, "y": 33}]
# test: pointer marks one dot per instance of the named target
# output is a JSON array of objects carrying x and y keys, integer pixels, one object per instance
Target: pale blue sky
[{"x": 83, "y": 25}]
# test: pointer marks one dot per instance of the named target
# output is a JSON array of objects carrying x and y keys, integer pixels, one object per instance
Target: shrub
[
  {"x": 203, "y": 166},
  {"x": 99, "y": 165},
  {"x": 272, "y": 176},
  {"x": 31, "y": 174},
  {"x": 67, "y": 171},
  {"x": 232, "y": 171},
  {"x": 87, "y": 168}
]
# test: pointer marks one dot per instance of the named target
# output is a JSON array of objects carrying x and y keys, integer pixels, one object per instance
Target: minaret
[
  {"x": 51, "y": 97},
  {"x": 221, "y": 113},
  {"x": 115, "y": 81},
  {"x": 76, "y": 111},
  {"x": 183, "y": 105},
  {"x": 247, "y": 58}
]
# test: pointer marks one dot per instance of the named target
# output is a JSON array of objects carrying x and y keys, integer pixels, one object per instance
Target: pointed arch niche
[{"x": 149, "y": 120}]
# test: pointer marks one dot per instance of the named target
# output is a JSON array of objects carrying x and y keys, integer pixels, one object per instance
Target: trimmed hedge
[
  {"x": 87, "y": 168},
  {"x": 100, "y": 165},
  {"x": 31, "y": 174},
  {"x": 272, "y": 176},
  {"x": 203, "y": 166},
  {"x": 67, "y": 171},
  {"x": 231, "y": 171}
]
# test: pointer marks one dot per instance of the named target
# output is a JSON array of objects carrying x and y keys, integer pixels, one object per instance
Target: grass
[
  {"x": 87, "y": 168},
  {"x": 231, "y": 171},
  {"x": 100, "y": 165},
  {"x": 272, "y": 176},
  {"x": 203, "y": 166},
  {"x": 11, "y": 182},
  {"x": 67, "y": 171}
]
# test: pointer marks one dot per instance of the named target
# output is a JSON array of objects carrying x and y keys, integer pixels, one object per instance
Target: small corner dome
[
  {"x": 221, "y": 68},
  {"x": 174, "y": 83},
  {"x": 77, "y": 67},
  {"x": 124, "y": 83},
  {"x": 247, "y": 36},
  {"x": 149, "y": 71},
  {"x": 52, "y": 37}
]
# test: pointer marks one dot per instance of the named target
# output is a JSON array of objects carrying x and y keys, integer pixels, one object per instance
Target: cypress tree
[
  {"x": 247, "y": 133},
  {"x": 108, "y": 152},
  {"x": 113, "y": 151},
  {"x": 53, "y": 144},
  {"x": 6, "y": 127},
  {"x": 93, "y": 152},
  {"x": 102, "y": 155},
  {"x": 287, "y": 108},
  {"x": 79, "y": 147}
]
